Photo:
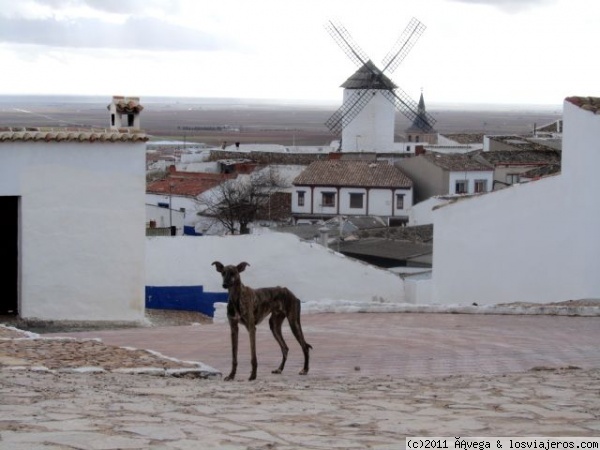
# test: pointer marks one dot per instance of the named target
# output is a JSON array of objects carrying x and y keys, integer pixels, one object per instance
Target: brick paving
[
  {"x": 405, "y": 345},
  {"x": 375, "y": 380}
]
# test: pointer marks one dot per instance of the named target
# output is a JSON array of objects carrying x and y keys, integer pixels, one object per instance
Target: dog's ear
[
  {"x": 241, "y": 266},
  {"x": 218, "y": 265}
]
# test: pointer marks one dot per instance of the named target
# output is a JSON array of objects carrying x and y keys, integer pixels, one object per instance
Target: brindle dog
[{"x": 250, "y": 306}]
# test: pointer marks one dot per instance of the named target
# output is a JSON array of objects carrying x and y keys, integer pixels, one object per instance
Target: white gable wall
[
  {"x": 534, "y": 242},
  {"x": 81, "y": 231}
]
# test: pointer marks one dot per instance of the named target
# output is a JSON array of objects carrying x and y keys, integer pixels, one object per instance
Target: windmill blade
[
  {"x": 343, "y": 39},
  {"x": 410, "y": 109},
  {"x": 403, "y": 45},
  {"x": 349, "y": 110}
]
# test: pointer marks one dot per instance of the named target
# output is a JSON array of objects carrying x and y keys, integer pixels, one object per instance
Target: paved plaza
[{"x": 374, "y": 380}]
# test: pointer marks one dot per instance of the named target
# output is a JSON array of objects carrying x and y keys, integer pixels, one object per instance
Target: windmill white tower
[{"x": 366, "y": 118}]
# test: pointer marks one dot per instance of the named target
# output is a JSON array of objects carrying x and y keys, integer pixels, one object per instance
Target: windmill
[{"x": 366, "y": 118}]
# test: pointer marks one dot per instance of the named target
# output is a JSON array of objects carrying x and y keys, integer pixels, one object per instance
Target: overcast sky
[{"x": 473, "y": 51}]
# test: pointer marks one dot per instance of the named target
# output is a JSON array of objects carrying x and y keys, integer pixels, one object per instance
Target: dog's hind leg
[
  {"x": 297, "y": 330},
  {"x": 275, "y": 324}
]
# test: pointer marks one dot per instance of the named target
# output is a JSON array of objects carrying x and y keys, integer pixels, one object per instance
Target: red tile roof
[
  {"x": 353, "y": 173},
  {"x": 187, "y": 184}
]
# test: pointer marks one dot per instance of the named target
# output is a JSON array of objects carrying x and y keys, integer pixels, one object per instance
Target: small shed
[{"x": 73, "y": 216}]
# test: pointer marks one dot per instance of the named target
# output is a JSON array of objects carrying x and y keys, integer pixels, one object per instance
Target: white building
[
  {"x": 437, "y": 174},
  {"x": 535, "y": 242},
  {"x": 354, "y": 188},
  {"x": 73, "y": 223}
]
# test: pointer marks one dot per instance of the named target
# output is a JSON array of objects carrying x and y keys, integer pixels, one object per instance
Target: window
[
  {"x": 129, "y": 120},
  {"x": 399, "y": 201},
  {"x": 356, "y": 200},
  {"x": 461, "y": 187},
  {"x": 300, "y": 198},
  {"x": 480, "y": 186},
  {"x": 328, "y": 199},
  {"x": 512, "y": 178},
  {"x": 112, "y": 120}
]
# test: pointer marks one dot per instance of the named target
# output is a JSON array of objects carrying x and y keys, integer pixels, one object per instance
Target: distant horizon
[{"x": 232, "y": 101}]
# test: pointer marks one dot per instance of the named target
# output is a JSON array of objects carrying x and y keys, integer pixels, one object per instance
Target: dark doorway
[{"x": 9, "y": 255}]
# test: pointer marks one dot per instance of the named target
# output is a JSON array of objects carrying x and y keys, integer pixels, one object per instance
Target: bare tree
[{"x": 240, "y": 201}]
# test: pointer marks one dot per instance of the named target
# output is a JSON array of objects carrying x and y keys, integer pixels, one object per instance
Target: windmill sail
[
  {"x": 349, "y": 110},
  {"x": 370, "y": 78},
  {"x": 403, "y": 45},
  {"x": 342, "y": 38}
]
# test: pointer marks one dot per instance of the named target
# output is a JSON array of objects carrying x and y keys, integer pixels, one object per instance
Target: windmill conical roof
[{"x": 369, "y": 77}]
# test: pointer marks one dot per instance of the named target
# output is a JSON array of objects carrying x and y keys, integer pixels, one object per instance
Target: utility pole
[{"x": 170, "y": 208}]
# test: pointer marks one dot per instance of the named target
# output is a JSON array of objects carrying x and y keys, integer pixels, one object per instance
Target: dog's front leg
[
  {"x": 253, "y": 361},
  {"x": 234, "y": 328}
]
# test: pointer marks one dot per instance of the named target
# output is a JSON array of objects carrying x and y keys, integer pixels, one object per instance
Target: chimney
[
  {"x": 125, "y": 113},
  {"x": 324, "y": 236}
]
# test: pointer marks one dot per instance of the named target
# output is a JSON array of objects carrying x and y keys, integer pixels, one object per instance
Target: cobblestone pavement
[{"x": 375, "y": 379}]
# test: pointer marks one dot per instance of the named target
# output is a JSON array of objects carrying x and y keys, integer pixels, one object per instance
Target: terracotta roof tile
[
  {"x": 542, "y": 171},
  {"x": 125, "y": 105},
  {"x": 353, "y": 173},
  {"x": 70, "y": 135},
  {"x": 187, "y": 184},
  {"x": 519, "y": 157},
  {"x": 521, "y": 142},
  {"x": 456, "y": 161},
  {"x": 588, "y": 103}
]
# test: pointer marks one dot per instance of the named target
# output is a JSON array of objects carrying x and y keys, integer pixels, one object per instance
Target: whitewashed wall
[
  {"x": 373, "y": 128},
  {"x": 82, "y": 252},
  {"x": 422, "y": 212},
  {"x": 162, "y": 218},
  {"x": 471, "y": 177},
  {"x": 535, "y": 242},
  {"x": 381, "y": 202},
  {"x": 177, "y": 202},
  {"x": 311, "y": 271}
]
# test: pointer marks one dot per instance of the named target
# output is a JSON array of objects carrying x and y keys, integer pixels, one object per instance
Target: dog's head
[{"x": 230, "y": 274}]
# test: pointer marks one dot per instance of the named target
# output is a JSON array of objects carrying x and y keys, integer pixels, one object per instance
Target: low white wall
[
  {"x": 417, "y": 291},
  {"x": 422, "y": 212},
  {"x": 311, "y": 271}
]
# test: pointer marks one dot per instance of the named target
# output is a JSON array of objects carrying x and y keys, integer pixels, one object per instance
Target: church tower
[{"x": 421, "y": 129}]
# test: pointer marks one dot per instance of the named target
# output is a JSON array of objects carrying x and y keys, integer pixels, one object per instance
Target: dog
[{"x": 250, "y": 306}]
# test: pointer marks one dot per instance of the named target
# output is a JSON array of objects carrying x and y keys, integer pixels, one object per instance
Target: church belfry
[{"x": 421, "y": 129}]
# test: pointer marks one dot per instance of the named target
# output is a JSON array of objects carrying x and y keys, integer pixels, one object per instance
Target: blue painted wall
[{"x": 183, "y": 298}]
